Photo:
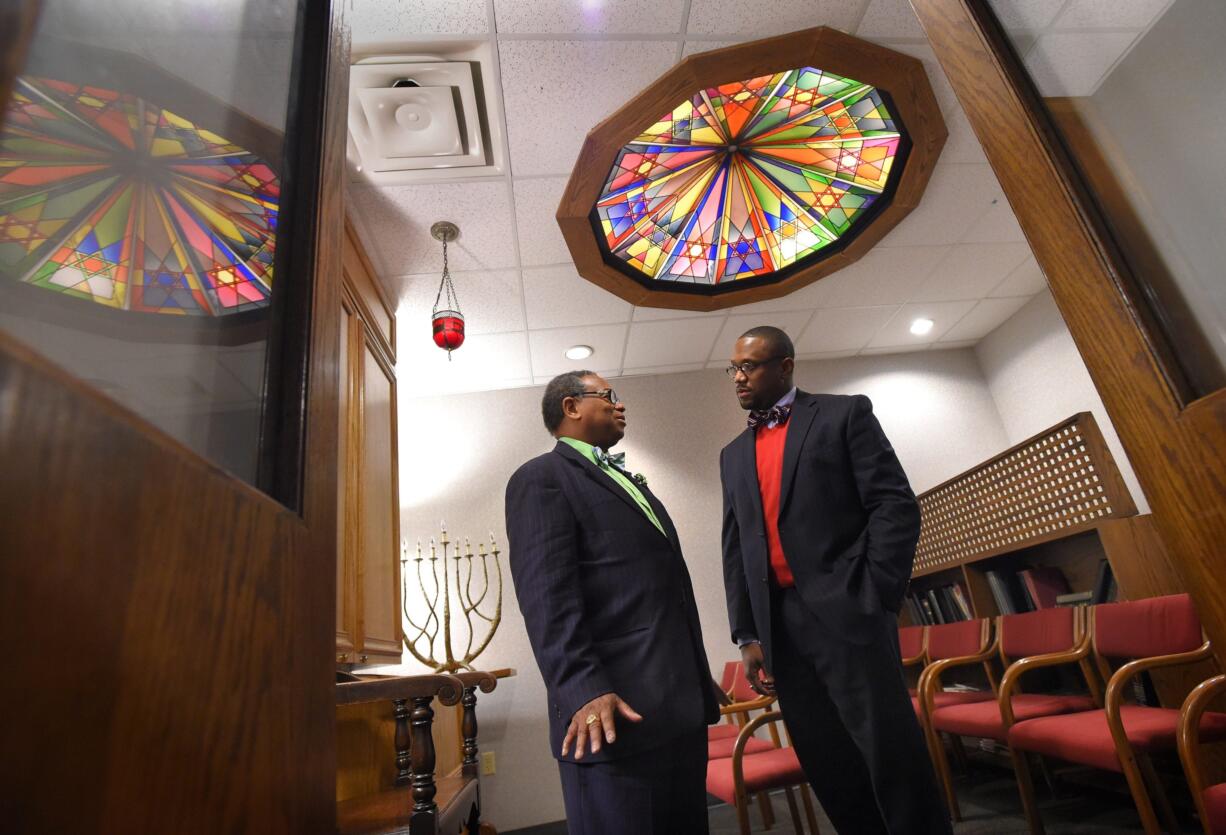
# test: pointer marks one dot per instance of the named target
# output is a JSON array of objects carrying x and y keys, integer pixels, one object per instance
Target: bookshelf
[{"x": 1055, "y": 502}]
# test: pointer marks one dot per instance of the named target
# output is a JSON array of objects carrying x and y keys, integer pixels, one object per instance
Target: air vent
[{"x": 417, "y": 118}]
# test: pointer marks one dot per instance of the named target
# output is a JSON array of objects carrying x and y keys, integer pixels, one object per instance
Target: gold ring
[{"x": 592, "y": 718}]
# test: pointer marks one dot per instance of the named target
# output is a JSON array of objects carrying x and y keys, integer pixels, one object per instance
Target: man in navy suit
[
  {"x": 819, "y": 533},
  {"x": 610, "y": 613}
]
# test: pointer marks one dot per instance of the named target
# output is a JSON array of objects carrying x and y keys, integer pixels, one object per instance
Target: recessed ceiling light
[
  {"x": 921, "y": 326},
  {"x": 579, "y": 352}
]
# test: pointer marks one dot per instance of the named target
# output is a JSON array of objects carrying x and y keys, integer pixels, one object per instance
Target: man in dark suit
[
  {"x": 610, "y": 613},
  {"x": 819, "y": 533}
]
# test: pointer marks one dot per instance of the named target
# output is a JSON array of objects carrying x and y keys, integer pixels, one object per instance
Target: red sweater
[{"x": 769, "y": 449}]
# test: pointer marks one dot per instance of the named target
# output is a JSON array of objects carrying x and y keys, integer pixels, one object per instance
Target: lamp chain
[{"x": 453, "y": 301}]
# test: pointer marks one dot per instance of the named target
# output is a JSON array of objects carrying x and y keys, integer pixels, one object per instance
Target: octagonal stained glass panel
[{"x": 750, "y": 179}]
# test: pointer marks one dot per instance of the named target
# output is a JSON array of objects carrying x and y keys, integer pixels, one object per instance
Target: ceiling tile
[
  {"x": 397, "y": 222},
  {"x": 1073, "y": 63},
  {"x": 607, "y": 343},
  {"x": 483, "y": 362},
  {"x": 826, "y": 355},
  {"x": 652, "y": 314},
  {"x": 971, "y": 271},
  {"x": 555, "y": 91},
  {"x": 389, "y": 20},
  {"x": 806, "y": 298},
  {"x": 886, "y": 275},
  {"x": 558, "y": 297},
  {"x": 941, "y": 88},
  {"x": 672, "y": 343},
  {"x": 897, "y": 349},
  {"x": 997, "y": 225},
  {"x": 962, "y": 145},
  {"x": 624, "y": 16},
  {"x": 536, "y": 204},
  {"x": 1026, "y": 280},
  {"x": 897, "y": 331},
  {"x": 984, "y": 318},
  {"x": 793, "y": 324},
  {"x": 663, "y": 369},
  {"x": 492, "y": 302},
  {"x": 694, "y": 47},
  {"x": 771, "y": 17},
  {"x": 1026, "y": 15},
  {"x": 957, "y": 196},
  {"x": 890, "y": 19},
  {"x": 1133, "y": 14},
  {"x": 842, "y": 329}
]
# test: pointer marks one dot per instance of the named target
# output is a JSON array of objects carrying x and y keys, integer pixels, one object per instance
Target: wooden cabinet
[{"x": 368, "y": 626}]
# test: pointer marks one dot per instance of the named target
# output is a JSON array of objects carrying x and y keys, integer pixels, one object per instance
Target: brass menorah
[{"x": 420, "y": 639}]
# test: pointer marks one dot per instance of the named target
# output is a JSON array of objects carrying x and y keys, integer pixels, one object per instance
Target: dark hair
[
  {"x": 780, "y": 343},
  {"x": 566, "y": 384}
]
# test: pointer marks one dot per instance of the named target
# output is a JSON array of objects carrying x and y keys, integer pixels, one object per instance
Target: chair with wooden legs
[
  {"x": 961, "y": 644},
  {"x": 1156, "y": 632},
  {"x": 722, "y": 738},
  {"x": 913, "y": 648},
  {"x": 1210, "y": 800},
  {"x": 735, "y": 778},
  {"x": 1025, "y": 642}
]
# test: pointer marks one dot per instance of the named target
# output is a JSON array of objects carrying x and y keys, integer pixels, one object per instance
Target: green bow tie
[{"x": 617, "y": 459}]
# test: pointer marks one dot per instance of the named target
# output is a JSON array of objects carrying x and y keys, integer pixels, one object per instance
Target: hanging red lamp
[{"x": 446, "y": 320}]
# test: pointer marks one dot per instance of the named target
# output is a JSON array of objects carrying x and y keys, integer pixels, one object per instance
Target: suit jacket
[
  {"x": 848, "y": 521},
  {"x": 607, "y": 602}
]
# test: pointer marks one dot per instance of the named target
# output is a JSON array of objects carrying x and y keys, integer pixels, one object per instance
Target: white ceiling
[{"x": 563, "y": 65}]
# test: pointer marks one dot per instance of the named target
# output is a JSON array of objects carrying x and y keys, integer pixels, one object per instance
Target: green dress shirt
[{"x": 618, "y": 476}]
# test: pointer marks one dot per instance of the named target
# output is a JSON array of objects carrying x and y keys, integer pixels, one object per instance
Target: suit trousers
[
  {"x": 850, "y": 717},
  {"x": 661, "y": 791}
]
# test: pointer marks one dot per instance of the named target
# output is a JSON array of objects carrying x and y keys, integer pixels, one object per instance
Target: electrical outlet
[{"x": 487, "y": 762}]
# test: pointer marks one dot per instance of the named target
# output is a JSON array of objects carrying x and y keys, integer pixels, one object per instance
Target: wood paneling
[
  {"x": 1175, "y": 446},
  {"x": 379, "y": 566},
  {"x": 346, "y": 499},
  {"x": 901, "y": 76},
  {"x": 369, "y": 630},
  {"x": 371, "y": 296}
]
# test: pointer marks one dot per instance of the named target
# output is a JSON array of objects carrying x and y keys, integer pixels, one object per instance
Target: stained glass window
[
  {"x": 747, "y": 179},
  {"x": 111, "y": 198}
]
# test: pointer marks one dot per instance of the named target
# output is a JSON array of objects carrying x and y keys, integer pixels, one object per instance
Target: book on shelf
[
  {"x": 1000, "y": 593},
  {"x": 962, "y": 601},
  {"x": 1074, "y": 598},
  {"x": 1017, "y": 589},
  {"x": 913, "y": 610},
  {"x": 935, "y": 603},
  {"x": 1104, "y": 584},
  {"x": 1044, "y": 583},
  {"x": 929, "y": 617}
]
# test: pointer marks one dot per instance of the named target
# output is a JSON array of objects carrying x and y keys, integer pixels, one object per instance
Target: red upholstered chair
[
  {"x": 722, "y": 738},
  {"x": 729, "y": 728},
  {"x": 1031, "y": 640},
  {"x": 1211, "y": 800},
  {"x": 960, "y": 644},
  {"x": 913, "y": 646},
  {"x": 735, "y": 778},
  {"x": 1157, "y": 632}
]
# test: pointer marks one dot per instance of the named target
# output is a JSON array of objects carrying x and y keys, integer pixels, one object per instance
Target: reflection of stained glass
[
  {"x": 107, "y": 197},
  {"x": 748, "y": 178}
]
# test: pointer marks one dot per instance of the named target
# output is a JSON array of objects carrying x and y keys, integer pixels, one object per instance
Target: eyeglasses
[
  {"x": 603, "y": 394},
  {"x": 747, "y": 367}
]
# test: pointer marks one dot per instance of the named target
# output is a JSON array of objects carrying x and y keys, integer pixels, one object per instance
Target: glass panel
[
  {"x": 750, "y": 178},
  {"x": 140, "y": 183},
  {"x": 1136, "y": 87}
]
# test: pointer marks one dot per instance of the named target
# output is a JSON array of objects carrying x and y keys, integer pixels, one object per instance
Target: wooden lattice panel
[{"x": 1054, "y": 484}]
